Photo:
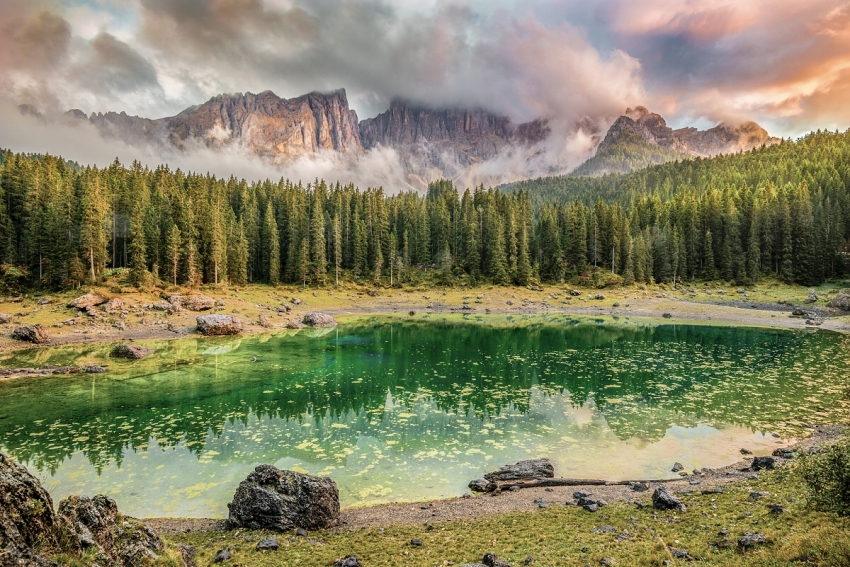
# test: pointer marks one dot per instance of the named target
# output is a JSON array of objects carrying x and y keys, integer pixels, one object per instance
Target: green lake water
[{"x": 397, "y": 410}]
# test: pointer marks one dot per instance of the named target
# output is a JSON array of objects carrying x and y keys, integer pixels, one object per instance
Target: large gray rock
[
  {"x": 26, "y": 516},
  {"x": 213, "y": 325},
  {"x": 282, "y": 500},
  {"x": 315, "y": 319},
  {"x": 841, "y": 301},
  {"x": 195, "y": 302},
  {"x": 533, "y": 468},
  {"x": 131, "y": 352},
  {"x": 664, "y": 499},
  {"x": 87, "y": 300},
  {"x": 37, "y": 334},
  {"x": 93, "y": 525}
]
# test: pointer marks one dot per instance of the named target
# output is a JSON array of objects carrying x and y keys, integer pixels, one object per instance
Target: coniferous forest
[{"x": 781, "y": 211}]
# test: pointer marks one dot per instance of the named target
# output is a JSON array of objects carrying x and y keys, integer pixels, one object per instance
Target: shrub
[{"x": 827, "y": 477}]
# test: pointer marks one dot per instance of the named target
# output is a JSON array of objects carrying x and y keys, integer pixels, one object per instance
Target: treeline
[{"x": 782, "y": 211}]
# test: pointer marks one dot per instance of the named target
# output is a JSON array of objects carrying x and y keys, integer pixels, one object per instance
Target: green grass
[{"x": 561, "y": 535}]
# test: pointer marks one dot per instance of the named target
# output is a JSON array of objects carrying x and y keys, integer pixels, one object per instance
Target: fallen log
[{"x": 540, "y": 482}]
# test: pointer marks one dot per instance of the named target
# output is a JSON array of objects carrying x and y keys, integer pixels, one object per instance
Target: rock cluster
[
  {"x": 282, "y": 500},
  {"x": 79, "y": 525},
  {"x": 533, "y": 468}
]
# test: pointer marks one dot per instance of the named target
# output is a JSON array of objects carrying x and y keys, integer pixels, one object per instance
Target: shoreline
[
  {"x": 137, "y": 322},
  {"x": 527, "y": 499}
]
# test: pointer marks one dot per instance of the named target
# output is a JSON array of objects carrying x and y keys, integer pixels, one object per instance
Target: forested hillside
[
  {"x": 781, "y": 211},
  {"x": 628, "y": 153}
]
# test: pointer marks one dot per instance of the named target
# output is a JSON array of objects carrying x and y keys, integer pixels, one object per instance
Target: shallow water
[{"x": 399, "y": 411}]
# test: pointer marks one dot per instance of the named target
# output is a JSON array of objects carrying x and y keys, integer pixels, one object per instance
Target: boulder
[
  {"x": 213, "y": 325},
  {"x": 37, "y": 334},
  {"x": 282, "y": 500},
  {"x": 315, "y": 319},
  {"x": 664, "y": 499},
  {"x": 265, "y": 322},
  {"x": 347, "y": 561},
  {"x": 5, "y": 318},
  {"x": 95, "y": 523},
  {"x": 130, "y": 352},
  {"x": 841, "y": 301},
  {"x": 295, "y": 325},
  {"x": 196, "y": 302},
  {"x": 760, "y": 463},
  {"x": 87, "y": 300},
  {"x": 481, "y": 485},
  {"x": 533, "y": 468},
  {"x": 113, "y": 305},
  {"x": 27, "y": 518},
  {"x": 164, "y": 306}
]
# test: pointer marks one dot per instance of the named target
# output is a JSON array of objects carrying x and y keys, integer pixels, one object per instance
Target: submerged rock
[
  {"x": 664, "y": 499},
  {"x": 87, "y": 300},
  {"x": 215, "y": 325},
  {"x": 315, "y": 319},
  {"x": 282, "y": 500},
  {"x": 533, "y": 468},
  {"x": 37, "y": 334},
  {"x": 131, "y": 352}
]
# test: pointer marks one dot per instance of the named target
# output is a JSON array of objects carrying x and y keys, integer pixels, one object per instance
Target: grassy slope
[{"x": 562, "y": 535}]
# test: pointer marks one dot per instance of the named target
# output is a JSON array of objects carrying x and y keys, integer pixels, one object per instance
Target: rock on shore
[
  {"x": 79, "y": 525},
  {"x": 215, "y": 325},
  {"x": 87, "y": 300},
  {"x": 131, "y": 352},
  {"x": 37, "y": 334},
  {"x": 315, "y": 319},
  {"x": 841, "y": 301},
  {"x": 282, "y": 500},
  {"x": 533, "y": 468}
]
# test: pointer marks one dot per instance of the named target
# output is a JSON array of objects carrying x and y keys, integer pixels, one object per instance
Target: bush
[{"x": 827, "y": 477}]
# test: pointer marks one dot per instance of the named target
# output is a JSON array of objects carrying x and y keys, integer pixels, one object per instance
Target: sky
[{"x": 782, "y": 63}]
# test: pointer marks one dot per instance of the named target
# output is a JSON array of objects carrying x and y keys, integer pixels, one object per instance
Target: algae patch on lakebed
[{"x": 404, "y": 410}]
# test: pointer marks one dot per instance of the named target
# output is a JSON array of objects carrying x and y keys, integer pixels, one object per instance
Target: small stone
[
  {"x": 766, "y": 463},
  {"x": 758, "y": 495},
  {"x": 639, "y": 486},
  {"x": 301, "y": 532},
  {"x": 750, "y": 539},
  {"x": 222, "y": 555},
  {"x": 347, "y": 561},
  {"x": 490, "y": 560},
  {"x": 746, "y": 452},
  {"x": 608, "y": 561},
  {"x": 678, "y": 467},
  {"x": 131, "y": 352},
  {"x": 681, "y": 554},
  {"x": 481, "y": 485},
  {"x": 268, "y": 544},
  {"x": 591, "y": 507},
  {"x": 604, "y": 530},
  {"x": 776, "y": 509},
  {"x": 416, "y": 542}
]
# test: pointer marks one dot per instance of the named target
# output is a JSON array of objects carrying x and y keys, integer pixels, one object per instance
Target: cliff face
[
  {"x": 653, "y": 129},
  {"x": 469, "y": 136},
  {"x": 268, "y": 125},
  {"x": 271, "y": 126}
]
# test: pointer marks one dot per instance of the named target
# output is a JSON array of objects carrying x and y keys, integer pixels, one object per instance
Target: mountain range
[{"x": 431, "y": 143}]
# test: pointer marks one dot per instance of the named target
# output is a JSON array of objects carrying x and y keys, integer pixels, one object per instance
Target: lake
[{"x": 404, "y": 410}]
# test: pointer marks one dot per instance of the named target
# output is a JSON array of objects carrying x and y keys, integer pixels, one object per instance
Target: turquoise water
[{"x": 400, "y": 410}]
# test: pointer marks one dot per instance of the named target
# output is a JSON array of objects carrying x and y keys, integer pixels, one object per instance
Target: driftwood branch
[{"x": 538, "y": 482}]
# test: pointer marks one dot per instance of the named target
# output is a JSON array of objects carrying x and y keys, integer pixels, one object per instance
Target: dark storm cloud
[{"x": 113, "y": 66}]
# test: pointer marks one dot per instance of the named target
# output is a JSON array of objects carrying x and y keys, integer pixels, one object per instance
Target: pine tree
[
  {"x": 523, "y": 264},
  {"x": 710, "y": 269},
  {"x": 337, "y": 249},
  {"x": 172, "y": 247},
  {"x": 272, "y": 247},
  {"x": 317, "y": 238}
]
